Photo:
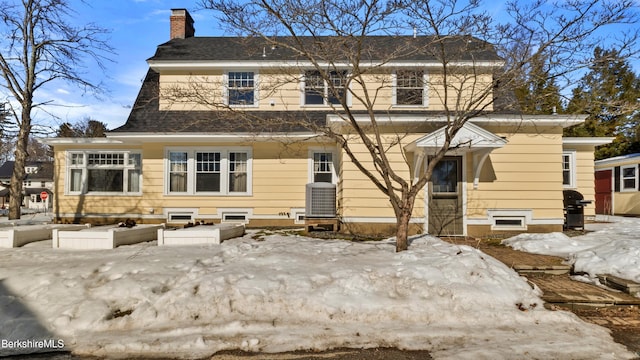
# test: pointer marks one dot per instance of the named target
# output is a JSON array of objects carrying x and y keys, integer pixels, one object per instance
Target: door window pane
[{"x": 445, "y": 176}]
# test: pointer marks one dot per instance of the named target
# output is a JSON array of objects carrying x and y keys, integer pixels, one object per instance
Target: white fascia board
[
  {"x": 619, "y": 160},
  {"x": 493, "y": 119},
  {"x": 208, "y": 64},
  {"x": 594, "y": 141},
  {"x": 78, "y": 141},
  {"x": 203, "y": 137}
]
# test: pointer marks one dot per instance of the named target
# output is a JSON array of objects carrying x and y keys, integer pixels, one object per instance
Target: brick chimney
[{"x": 181, "y": 24}]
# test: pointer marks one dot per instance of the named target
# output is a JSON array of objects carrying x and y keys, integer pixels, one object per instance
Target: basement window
[
  {"x": 509, "y": 223},
  {"x": 180, "y": 217},
  {"x": 235, "y": 217}
]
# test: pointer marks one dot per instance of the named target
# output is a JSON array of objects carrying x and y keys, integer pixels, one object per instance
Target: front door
[{"x": 445, "y": 198}]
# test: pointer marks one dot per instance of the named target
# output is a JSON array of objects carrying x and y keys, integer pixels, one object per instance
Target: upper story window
[
  {"x": 569, "y": 169},
  {"x": 214, "y": 171},
  {"x": 318, "y": 91},
  {"x": 409, "y": 88},
  {"x": 241, "y": 90},
  {"x": 104, "y": 172}
]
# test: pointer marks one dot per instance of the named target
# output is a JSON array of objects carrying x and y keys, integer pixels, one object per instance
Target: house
[
  {"x": 618, "y": 185},
  {"x": 38, "y": 179},
  {"x": 181, "y": 156}
]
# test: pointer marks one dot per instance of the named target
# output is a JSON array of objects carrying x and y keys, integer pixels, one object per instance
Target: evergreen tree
[
  {"x": 609, "y": 94},
  {"x": 537, "y": 92}
]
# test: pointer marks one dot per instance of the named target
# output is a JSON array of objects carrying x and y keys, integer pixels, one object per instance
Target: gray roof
[
  {"x": 424, "y": 48},
  {"x": 44, "y": 173}
]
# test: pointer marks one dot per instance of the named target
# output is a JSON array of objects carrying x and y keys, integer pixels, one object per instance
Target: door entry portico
[{"x": 445, "y": 198}]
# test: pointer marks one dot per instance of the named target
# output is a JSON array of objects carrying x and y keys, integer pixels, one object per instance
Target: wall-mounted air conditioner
[{"x": 321, "y": 200}]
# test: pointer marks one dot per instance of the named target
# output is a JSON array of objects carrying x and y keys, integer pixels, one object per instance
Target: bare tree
[
  {"x": 327, "y": 34},
  {"x": 40, "y": 45}
]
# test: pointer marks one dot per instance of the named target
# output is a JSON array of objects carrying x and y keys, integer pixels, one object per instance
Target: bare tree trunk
[
  {"x": 402, "y": 232},
  {"x": 15, "y": 201},
  {"x": 403, "y": 217}
]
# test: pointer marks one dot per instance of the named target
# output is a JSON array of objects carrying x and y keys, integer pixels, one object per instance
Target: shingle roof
[
  {"x": 45, "y": 170},
  {"x": 423, "y": 48}
]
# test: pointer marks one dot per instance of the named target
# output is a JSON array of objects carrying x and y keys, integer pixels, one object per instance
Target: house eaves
[
  {"x": 163, "y": 65},
  {"x": 134, "y": 137},
  {"x": 590, "y": 141},
  {"x": 492, "y": 119}
]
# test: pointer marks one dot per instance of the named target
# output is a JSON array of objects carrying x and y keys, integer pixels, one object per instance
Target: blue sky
[{"x": 137, "y": 28}]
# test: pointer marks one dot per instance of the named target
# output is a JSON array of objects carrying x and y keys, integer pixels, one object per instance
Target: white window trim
[
  {"x": 84, "y": 177},
  {"x": 325, "y": 103},
  {"x": 425, "y": 91},
  {"x": 224, "y": 166},
  {"x": 525, "y": 216},
  {"x": 256, "y": 97},
  {"x": 334, "y": 168},
  {"x": 223, "y": 213},
  {"x": 572, "y": 169},
  {"x": 635, "y": 178},
  {"x": 298, "y": 215}
]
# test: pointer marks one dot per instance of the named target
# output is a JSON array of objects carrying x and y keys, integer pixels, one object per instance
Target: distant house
[
  {"x": 38, "y": 179},
  {"x": 618, "y": 185},
  {"x": 184, "y": 161}
]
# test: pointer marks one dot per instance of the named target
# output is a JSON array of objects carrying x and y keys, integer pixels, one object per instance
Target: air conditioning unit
[{"x": 321, "y": 200}]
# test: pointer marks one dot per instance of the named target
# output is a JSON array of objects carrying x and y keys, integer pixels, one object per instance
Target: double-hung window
[
  {"x": 409, "y": 88},
  {"x": 569, "y": 169},
  {"x": 321, "y": 166},
  {"x": 241, "y": 89},
  {"x": 103, "y": 172},
  {"x": 209, "y": 171},
  {"x": 321, "y": 91},
  {"x": 629, "y": 178}
]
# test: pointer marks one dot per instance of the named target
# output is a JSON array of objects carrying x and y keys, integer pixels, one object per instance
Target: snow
[
  {"x": 611, "y": 247},
  {"x": 282, "y": 292}
]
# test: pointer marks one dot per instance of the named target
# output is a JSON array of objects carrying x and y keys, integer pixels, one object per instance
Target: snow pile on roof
[
  {"x": 287, "y": 293},
  {"x": 611, "y": 248}
]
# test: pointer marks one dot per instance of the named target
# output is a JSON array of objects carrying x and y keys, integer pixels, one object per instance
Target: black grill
[{"x": 574, "y": 204}]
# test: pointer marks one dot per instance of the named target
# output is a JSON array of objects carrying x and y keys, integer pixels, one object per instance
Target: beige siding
[
  {"x": 279, "y": 179},
  {"x": 281, "y": 89},
  {"x": 524, "y": 174},
  {"x": 360, "y": 197},
  {"x": 585, "y": 178}
]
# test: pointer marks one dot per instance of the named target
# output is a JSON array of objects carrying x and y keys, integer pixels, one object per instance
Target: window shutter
[
  {"x": 616, "y": 179},
  {"x": 638, "y": 177}
]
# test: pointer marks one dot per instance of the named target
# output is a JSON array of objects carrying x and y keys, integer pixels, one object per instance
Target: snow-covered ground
[
  {"x": 613, "y": 247},
  {"x": 284, "y": 292}
]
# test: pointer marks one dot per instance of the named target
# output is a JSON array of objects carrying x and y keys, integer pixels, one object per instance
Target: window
[
  {"x": 569, "y": 169},
  {"x": 104, "y": 172},
  {"x": 323, "y": 167},
  {"x": 409, "y": 88},
  {"x": 317, "y": 91},
  {"x": 213, "y": 171},
  {"x": 629, "y": 179},
  {"x": 445, "y": 176},
  {"x": 208, "y": 171},
  {"x": 241, "y": 88}
]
